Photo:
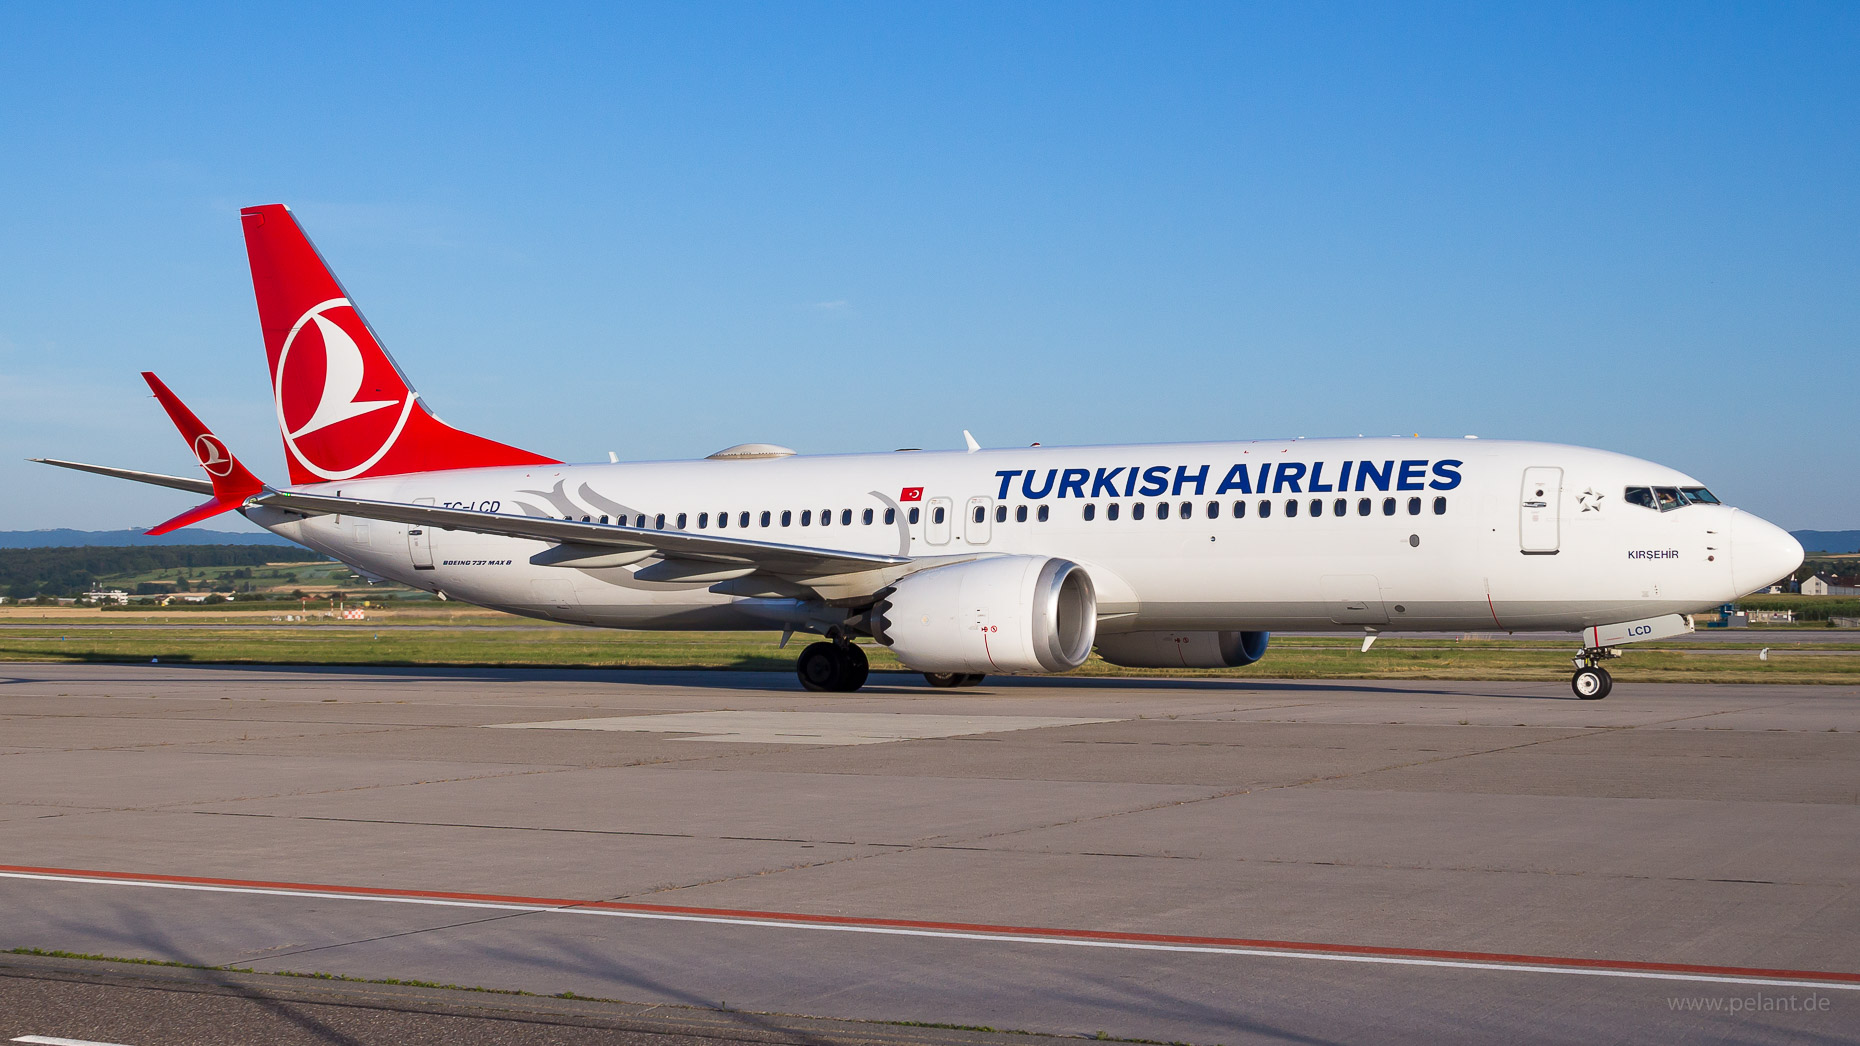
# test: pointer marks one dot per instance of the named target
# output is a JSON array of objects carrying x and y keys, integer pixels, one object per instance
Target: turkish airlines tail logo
[{"x": 344, "y": 408}]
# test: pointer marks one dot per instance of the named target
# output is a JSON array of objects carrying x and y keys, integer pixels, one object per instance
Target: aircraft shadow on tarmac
[{"x": 882, "y": 682}]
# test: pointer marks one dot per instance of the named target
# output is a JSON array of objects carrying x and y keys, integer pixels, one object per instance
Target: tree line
[{"x": 26, "y": 573}]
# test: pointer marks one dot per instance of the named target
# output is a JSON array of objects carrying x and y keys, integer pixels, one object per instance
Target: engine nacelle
[
  {"x": 1183, "y": 649},
  {"x": 1001, "y": 614}
]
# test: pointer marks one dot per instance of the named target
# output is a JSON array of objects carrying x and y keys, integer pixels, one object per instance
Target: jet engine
[
  {"x": 1000, "y": 614},
  {"x": 1183, "y": 649}
]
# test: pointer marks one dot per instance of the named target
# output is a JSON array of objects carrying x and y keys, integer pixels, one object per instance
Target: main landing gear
[
  {"x": 838, "y": 666},
  {"x": 1591, "y": 681},
  {"x": 954, "y": 678}
]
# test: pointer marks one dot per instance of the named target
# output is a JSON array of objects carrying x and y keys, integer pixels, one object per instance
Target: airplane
[{"x": 973, "y": 562}]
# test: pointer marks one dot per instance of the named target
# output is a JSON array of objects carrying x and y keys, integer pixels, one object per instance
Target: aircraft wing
[
  {"x": 789, "y": 561},
  {"x": 198, "y": 486}
]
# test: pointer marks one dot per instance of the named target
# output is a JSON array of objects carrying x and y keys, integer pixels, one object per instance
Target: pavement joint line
[{"x": 1005, "y": 934}]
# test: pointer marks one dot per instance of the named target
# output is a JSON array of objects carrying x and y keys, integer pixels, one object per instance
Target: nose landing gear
[{"x": 1591, "y": 681}]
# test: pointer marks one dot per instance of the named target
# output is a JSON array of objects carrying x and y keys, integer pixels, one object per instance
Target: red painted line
[
  {"x": 1494, "y": 610},
  {"x": 1056, "y": 933}
]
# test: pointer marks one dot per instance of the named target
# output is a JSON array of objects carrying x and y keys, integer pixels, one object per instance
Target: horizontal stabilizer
[{"x": 198, "y": 486}]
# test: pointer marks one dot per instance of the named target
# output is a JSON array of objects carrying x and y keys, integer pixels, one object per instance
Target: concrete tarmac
[{"x": 1180, "y": 860}]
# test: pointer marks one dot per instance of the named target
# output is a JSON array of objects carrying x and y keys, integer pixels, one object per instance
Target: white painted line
[
  {"x": 968, "y": 935},
  {"x": 48, "y": 1040},
  {"x": 808, "y": 728}
]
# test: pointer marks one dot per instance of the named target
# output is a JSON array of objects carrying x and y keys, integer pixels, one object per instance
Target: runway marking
[
  {"x": 48, "y": 1040},
  {"x": 808, "y": 728},
  {"x": 1043, "y": 935}
]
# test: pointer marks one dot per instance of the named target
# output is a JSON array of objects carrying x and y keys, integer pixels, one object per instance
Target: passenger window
[
  {"x": 1044, "y": 511},
  {"x": 981, "y": 514},
  {"x": 1642, "y": 496},
  {"x": 1699, "y": 496},
  {"x": 1388, "y": 506},
  {"x": 937, "y": 516},
  {"x": 1414, "y": 506},
  {"x": 603, "y": 520},
  {"x": 1136, "y": 510},
  {"x": 1185, "y": 511},
  {"x": 743, "y": 520},
  {"x": 868, "y": 517},
  {"x": 1317, "y": 506},
  {"x": 1214, "y": 510},
  {"x": 1091, "y": 511},
  {"x": 826, "y": 517},
  {"x": 1000, "y": 513},
  {"x": 681, "y": 521},
  {"x": 1110, "y": 511},
  {"x": 1265, "y": 509},
  {"x": 1667, "y": 498},
  {"x": 1340, "y": 507},
  {"x": 703, "y": 520},
  {"x": 586, "y": 519},
  {"x": 891, "y": 516},
  {"x": 723, "y": 520},
  {"x": 1239, "y": 510},
  {"x": 1020, "y": 513},
  {"x": 1162, "y": 510},
  {"x": 1362, "y": 507},
  {"x": 916, "y": 514},
  {"x": 846, "y": 517},
  {"x": 787, "y": 517},
  {"x": 765, "y": 518},
  {"x": 807, "y": 518},
  {"x": 1440, "y": 506},
  {"x": 1291, "y": 507},
  {"x": 660, "y": 521}
]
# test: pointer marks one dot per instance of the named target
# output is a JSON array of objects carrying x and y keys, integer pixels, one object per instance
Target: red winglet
[{"x": 232, "y": 482}]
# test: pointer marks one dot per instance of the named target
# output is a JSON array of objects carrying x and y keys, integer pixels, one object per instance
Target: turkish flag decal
[{"x": 911, "y": 494}]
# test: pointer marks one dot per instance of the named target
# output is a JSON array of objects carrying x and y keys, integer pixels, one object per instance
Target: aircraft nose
[{"x": 1761, "y": 553}]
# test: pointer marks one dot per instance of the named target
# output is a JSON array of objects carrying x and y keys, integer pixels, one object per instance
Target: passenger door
[
  {"x": 1539, "y": 498},
  {"x": 978, "y": 521}
]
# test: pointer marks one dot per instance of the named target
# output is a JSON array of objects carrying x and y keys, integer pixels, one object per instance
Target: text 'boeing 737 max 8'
[{"x": 970, "y": 562}]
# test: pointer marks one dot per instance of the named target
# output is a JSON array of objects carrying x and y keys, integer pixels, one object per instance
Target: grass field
[{"x": 450, "y": 634}]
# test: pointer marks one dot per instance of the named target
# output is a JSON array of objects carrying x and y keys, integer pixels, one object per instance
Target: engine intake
[
  {"x": 1183, "y": 649},
  {"x": 1001, "y": 614}
]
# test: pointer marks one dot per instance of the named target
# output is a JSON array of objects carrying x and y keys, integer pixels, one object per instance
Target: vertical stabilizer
[{"x": 344, "y": 409}]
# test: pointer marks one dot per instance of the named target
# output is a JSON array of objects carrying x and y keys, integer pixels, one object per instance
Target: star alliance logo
[{"x": 1590, "y": 500}]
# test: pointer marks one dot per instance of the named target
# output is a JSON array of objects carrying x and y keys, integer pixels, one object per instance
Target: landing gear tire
[
  {"x": 1591, "y": 684},
  {"x": 856, "y": 668},
  {"x": 952, "y": 679},
  {"x": 837, "y": 668}
]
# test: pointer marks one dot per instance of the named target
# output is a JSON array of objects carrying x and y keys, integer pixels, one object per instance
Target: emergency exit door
[
  {"x": 1539, "y": 501},
  {"x": 978, "y": 526}
]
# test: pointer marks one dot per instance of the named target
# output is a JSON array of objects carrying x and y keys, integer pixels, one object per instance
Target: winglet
[{"x": 232, "y": 482}]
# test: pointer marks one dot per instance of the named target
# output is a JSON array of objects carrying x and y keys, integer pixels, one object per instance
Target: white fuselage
[{"x": 1457, "y": 534}]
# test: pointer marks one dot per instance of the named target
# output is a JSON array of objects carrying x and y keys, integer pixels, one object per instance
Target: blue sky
[{"x": 661, "y": 230}]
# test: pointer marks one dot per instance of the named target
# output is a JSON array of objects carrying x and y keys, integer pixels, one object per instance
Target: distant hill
[
  {"x": 1836, "y": 541},
  {"x": 113, "y": 538}
]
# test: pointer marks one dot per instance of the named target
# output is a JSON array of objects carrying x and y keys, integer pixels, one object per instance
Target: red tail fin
[
  {"x": 232, "y": 482},
  {"x": 344, "y": 409}
]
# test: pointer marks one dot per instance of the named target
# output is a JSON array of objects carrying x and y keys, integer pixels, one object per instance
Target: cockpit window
[
  {"x": 1642, "y": 496},
  {"x": 1668, "y": 498},
  {"x": 1698, "y": 496}
]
